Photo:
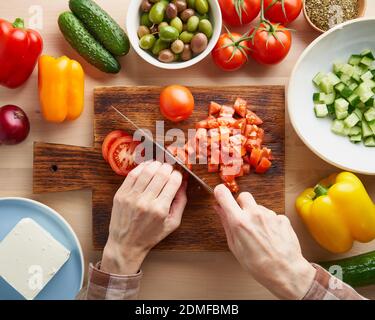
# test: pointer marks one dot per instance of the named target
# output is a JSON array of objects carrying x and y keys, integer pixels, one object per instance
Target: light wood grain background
[{"x": 168, "y": 275}]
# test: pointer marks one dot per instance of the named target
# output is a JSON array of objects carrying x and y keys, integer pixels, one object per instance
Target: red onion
[{"x": 14, "y": 125}]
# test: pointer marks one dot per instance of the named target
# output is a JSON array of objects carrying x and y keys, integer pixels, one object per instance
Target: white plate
[{"x": 335, "y": 45}]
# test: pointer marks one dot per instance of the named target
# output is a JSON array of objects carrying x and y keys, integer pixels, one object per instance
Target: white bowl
[
  {"x": 336, "y": 44},
  {"x": 132, "y": 24}
]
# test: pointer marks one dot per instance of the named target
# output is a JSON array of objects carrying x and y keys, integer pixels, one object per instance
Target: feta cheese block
[{"x": 30, "y": 257}]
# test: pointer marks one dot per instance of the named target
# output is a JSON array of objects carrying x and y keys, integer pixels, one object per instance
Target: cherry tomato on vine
[
  {"x": 282, "y": 11},
  {"x": 230, "y": 52},
  {"x": 270, "y": 43},
  {"x": 239, "y": 12}
]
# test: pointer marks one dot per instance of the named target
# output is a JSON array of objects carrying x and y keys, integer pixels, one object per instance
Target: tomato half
[
  {"x": 239, "y": 12},
  {"x": 110, "y": 139},
  {"x": 176, "y": 103},
  {"x": 275, "y": 12},
  {"x": 230, "y": 52},
  {"x": 121, "y": 156},
  {"x": 270, "y": 44}
]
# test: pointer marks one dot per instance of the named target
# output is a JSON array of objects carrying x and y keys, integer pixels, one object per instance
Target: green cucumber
[
  {"x": 85, "y": 44},
  {"x": 357, "y": 271},
  {"x": 102, "y": 26}
]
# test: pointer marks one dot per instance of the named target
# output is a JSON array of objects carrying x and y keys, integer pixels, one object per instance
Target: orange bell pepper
[{"x": 61, "y": 88}]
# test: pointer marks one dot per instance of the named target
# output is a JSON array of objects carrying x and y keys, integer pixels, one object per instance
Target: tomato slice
[
  {"x": 252, "y": 118},
  {"x": 214, "y": 108},
  {"x": 263, "y": 166},
  {"x": 240, "y": 106},
  {"x": 121, "y": 156},
  {"x": 255, "y": 156},
  {"x": 110, "y": 139}
]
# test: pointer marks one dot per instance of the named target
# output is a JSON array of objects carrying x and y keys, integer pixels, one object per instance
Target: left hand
[{"x": 146, "y": 209}]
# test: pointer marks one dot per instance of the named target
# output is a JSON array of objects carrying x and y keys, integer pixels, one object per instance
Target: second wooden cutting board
[{"x": 64, "y": 168}]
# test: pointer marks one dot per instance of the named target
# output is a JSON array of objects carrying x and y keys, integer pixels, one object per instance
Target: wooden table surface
[{"x": 167, "y": 275}]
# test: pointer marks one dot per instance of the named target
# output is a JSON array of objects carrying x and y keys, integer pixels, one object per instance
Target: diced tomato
[
  {"x": 246, "y": 159},
  {"x": 263, "y": 166},
  {"x": 255, "y": 157},
  {"x": 214, "y": 108},
  {"x": 246, "y": 168},
  {"x": 226, "y": 121},
  {"x": 202, "y": 124},
  {"x": 241, "y": 125},
  {"x": 267, "y": 153},
  {"x": 172, "y": 149},
  {"x": 232, "y": 186},
  {"x": 252, "y": 118},
  {"x": 253, "y": 144},
  {"x": 240, "y": 106},
  {"x": 213, "y": 167},
  {"x": 227, "y": 112},
  {"x": 181, "y": 155},
  {"x": 212, "y": 122}
]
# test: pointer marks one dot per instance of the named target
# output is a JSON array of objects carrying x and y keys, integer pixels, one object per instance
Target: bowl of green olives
[{"x": 173, "y": 34}]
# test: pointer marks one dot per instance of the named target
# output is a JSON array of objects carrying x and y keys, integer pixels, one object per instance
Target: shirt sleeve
[
  {"x": 327, "y": 287},
  {"x": 106, "y": 286}
]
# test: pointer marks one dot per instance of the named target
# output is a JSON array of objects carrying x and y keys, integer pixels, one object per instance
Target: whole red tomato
[
  {"x": 176, "y": 103},
  {"x": 239, "y": 12},
  {"x": 230, "y": 52},
  {"x": 270, "y": 43},
  {"x": 282, "y": 11}
]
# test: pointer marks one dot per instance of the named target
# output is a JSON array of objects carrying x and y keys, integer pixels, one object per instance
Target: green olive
[
  {"x": 161, "y": 25},
  {"x": 142, "y": 31},
  {"x": 177, "y": 46},
  {"x": 147, "y": 41},
  {"x": 192, "y": 24},
  {"x": 205, "y": 26},
  {"x": 166, "y": 55},
  {"x": 177, "y": 24},
  {"x": 145, "y": 21},
  {"x": 157, "y": 12},
  {"x": 168, "y": 34},
  {"x": 201, "y": 6},
  {"x": 158, "y": 46},
  {"x": 186, "y": 36},
  {"x": 191, "y": 4},
  {"x": 203, "y": 16}
]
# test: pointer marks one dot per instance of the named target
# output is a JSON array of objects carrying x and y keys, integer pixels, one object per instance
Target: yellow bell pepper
[
  {"x": 337, "y": 212},
  {"x": 61, "y": 88}
]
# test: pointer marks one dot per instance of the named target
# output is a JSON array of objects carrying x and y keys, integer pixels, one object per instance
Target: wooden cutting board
[{"x": 60, "y": 168}]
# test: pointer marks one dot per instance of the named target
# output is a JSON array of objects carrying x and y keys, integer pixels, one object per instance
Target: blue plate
[{"x": 68, "y": 281}]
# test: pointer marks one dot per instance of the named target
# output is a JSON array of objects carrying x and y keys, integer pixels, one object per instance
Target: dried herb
[{"x": 325, "y": 14}]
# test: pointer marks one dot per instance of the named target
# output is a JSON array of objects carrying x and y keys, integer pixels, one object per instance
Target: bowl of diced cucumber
[{"x": 331, "y": 96}]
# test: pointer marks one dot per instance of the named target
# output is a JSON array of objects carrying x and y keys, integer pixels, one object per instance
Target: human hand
[
  {"x": 265, "y": 245},
  {"x": 146, "y": 209}
]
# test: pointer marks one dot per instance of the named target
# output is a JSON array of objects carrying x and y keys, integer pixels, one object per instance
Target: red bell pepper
[{"x": 19, "y": 52}]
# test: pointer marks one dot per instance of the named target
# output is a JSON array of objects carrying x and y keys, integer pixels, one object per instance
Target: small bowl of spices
[{"x": 323, "y": 15}]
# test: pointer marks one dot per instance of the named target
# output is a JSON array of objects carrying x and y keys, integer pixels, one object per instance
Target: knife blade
[{"x": 167, "y": 152}]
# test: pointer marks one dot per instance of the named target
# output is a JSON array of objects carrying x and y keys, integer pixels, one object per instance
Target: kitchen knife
[{"x": 168, "y": 153}]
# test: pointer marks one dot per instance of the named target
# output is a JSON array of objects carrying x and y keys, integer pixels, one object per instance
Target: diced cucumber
[
  {"x": 360, "y": 70},
  {"x": 341, "y": 105},
  {"x": 339, "y": 87},
  {"x": 369, "y": 83},
  {"x": 371, "y": 102},
  {"x": 361, "y": 106},
  {"x": 351, "y": 120},
  {"x": 338, "y": 65},
  {"x": 345, "y": 79},
  {"x": 347, "y": 69},
  {"x": 346, "y": 92},
  {"x": 356, "y": 138},
  {"x": 318, "y": 78},
  {"x": 367, "y": 61},
  {"x": 353, "y": 86},
  {"x": 372, "y": 126},
  {"x": 366, "y": 130},
  {"x": 370, "y": 114},
  {"x": 359, "y": 113},
  {"x": 319, "y": 97},
  {"x": 341, "y": 115},
  {"x": 367, "y": 76},
  {"x": 333, "y": 78},
  {"x": 370, "y": 142},
  {"x": 338, "y": 127},
  {"x": 367, "y": 53},
  {"x": 321, "y": 110},
  {"x": 356, "y": 77},
  {"x": 325, "y": 85},
  {"x": 329, "y": 98},
  {"x": 331, "y": 110},
  {"x": 364, "y": 92},
  {"x": 355, "y": 59},
  {"x": 355, "y": 131},
  {"x": 354, "y": 100}
]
